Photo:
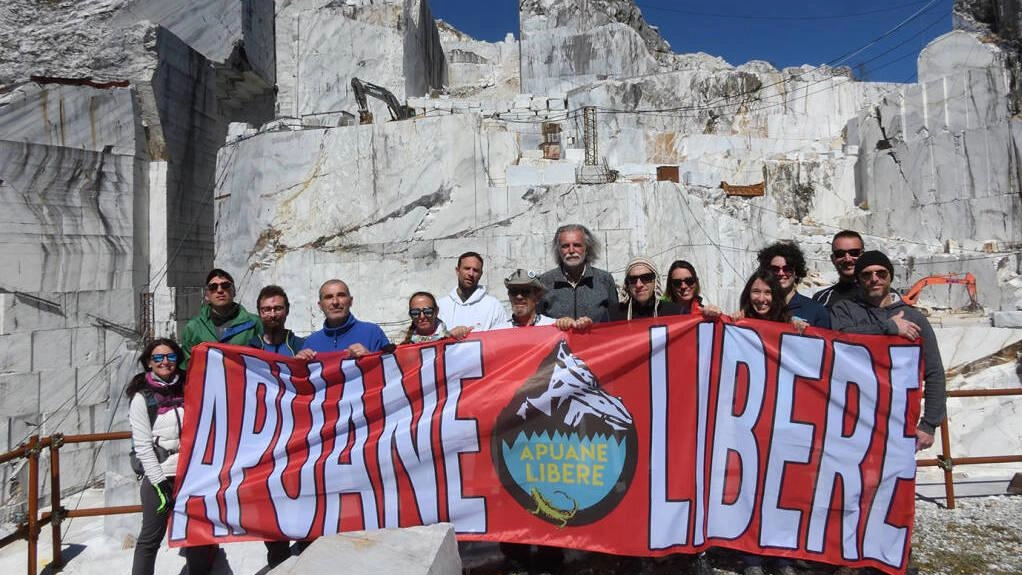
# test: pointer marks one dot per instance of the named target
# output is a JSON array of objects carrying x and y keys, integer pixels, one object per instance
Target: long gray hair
[{"x": 592, "y": 244}]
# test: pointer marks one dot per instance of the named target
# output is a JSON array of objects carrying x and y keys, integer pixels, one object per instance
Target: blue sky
[{"x": 880, "y": 39}]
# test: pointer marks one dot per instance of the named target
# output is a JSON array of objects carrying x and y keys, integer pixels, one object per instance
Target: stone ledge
[
  {"x": 426, "y": 550},
  {"x": 1012, "y": 319}
]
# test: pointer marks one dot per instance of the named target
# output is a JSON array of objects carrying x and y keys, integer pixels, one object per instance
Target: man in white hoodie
[{"x": 468, "y": 307}]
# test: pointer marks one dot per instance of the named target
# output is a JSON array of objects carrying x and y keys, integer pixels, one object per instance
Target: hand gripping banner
[{"x": 642, "y": 438}]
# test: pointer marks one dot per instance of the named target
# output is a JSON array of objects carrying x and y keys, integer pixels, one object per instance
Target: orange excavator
[{"x": 966, "y": 279}]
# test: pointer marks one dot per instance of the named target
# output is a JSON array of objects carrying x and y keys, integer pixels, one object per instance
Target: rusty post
[
  {"x": 984, "y": 392},
  {"x": 93, "y": 437},
  {"x": 33, "y": 502},
  {"x": 979, "y": 460},
  {"x": 948, "y": 464},
  {"x": 56, "y": 510},
  {"x": 103, "y": 511},
  {"x": 15, "y": 454}
]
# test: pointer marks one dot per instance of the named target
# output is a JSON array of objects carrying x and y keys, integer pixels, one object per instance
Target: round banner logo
[{"x": 564, "y": 448}]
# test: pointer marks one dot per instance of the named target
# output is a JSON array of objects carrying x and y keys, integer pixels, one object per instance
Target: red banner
[{"x": 641, "y": 438}]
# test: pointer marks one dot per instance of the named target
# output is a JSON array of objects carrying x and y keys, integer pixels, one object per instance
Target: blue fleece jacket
[
  {"x": 809, "y": 311},
  {"x": 352, "y": 331}
]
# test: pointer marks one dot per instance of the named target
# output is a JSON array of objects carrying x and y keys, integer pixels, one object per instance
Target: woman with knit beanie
[{"x": 642, "y": 293}]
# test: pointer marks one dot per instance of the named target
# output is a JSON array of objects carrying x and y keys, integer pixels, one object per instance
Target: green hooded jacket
[{"x": 200, "y": 329}]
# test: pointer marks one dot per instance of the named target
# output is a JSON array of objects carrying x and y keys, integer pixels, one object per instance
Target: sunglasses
[
  {"x": 415, "y": 312},
  {"x": 838, "y": 254},
  {"x": 272, "y": 309},
  {"x": 689, "y": 281},
  {"x": 217, "y": 286},
  {"x": 865, "y": 276},
  {"x": 786, "y": 270},
  {"x": 159, "y": 357},
  {"x": 646, "y": 279},
  {"x": 515, "y": 292}
]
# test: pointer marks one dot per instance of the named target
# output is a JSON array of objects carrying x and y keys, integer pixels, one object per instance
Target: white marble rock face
[
  {"x": 86, "y": 178},
  {"x": 321, "y": 46}
]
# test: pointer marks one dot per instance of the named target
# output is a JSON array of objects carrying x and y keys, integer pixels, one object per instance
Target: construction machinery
[
  {"x": 967, "y": 279},
  {"x": 362, "y": 89}
]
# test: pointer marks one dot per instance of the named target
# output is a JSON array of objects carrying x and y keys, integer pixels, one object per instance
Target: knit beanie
[
  {"x": 657, "y": 291},
  {"x": 873, "y": 258}
]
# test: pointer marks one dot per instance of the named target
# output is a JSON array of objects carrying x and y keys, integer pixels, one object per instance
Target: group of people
[{"x": 574, "y": 295}]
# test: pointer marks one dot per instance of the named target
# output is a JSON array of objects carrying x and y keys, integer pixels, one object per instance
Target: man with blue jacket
[{"x": 342, "y": 331}]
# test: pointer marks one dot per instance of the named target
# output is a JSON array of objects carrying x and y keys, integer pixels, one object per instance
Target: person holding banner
[
  {"x": 524, "y": 291},
  {"x": 643, "y": 293},
  {"x": 683, "y": 289},
  {"x": 762, "y": 298},
  {"x": 342, "y": 331},
  {"x": 220, "y": 319},
  {"x": 575, "y": 288},
  {"x": 426, "y": 325},
  {"x": 273, "y": 307},
  {"x": 156, "y": 407},
  {"x": 879, "y": 310}
]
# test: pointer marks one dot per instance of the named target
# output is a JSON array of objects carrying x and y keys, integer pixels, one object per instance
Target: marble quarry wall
[
  {"x": 998, "y": 22},
  {"x": 484, "y": 73},
  {"x": 571, "y": 44},
  {"x": 111, "y": 114},
  {"x": 72, "y": 187},
  {"x": 946, "y": 150},
  {"x": 321, "y": 46}
]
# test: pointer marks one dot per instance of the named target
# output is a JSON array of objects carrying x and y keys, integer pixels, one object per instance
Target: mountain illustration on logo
[{"x": 563, "y": 447}]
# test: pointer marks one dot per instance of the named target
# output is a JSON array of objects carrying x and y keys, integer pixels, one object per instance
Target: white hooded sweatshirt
[{"x": 480, "y": 311}]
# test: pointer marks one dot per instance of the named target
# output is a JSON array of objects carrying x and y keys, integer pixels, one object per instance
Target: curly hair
[
  {"x": 778, "y": 309},
  {"x": 790, "y": 252}
]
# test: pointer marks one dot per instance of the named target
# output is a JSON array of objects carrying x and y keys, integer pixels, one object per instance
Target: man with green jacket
[{"x": 221, "y": 319}]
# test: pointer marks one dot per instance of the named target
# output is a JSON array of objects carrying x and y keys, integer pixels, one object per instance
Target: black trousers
[{"x": 154, "y": 526}]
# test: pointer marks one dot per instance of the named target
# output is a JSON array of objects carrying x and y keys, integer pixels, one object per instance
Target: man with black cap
[{"x": 878, "y": 310}]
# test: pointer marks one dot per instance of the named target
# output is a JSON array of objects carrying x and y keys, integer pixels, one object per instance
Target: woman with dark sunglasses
[
  {"x": 683, "y": 289},
  {"x": 426, "y": 325},
  {"x": 156, "y": 406},
  {"x": 642, "y": 297}
]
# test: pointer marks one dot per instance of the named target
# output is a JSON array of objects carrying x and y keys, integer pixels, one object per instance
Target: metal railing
[
  {"x": 947, "y": 463},
  {"x": 32, "y": 527}
]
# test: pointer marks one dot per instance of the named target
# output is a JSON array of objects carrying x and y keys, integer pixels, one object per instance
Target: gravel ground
[{"x": 981, "y": 536}]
